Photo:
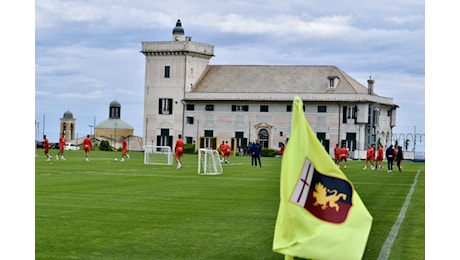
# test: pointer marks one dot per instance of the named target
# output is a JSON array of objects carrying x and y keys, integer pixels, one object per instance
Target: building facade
[{"x": 206, "y": 104}]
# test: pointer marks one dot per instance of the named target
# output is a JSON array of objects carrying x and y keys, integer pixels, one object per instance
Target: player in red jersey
[
  {"x": 124, "y": 149},
  {"x": 222, "y": 148},
  {"x": 227, "y": 151},
  {"x": 379, "y": 159},
  {"x": 337, "y": 155},
  {"x": 61, "y": 147},
  {"x": 46, "y": 147},
  {"x": 370, "y": 155},
  {"x": 283, "y": 147},
  {"x": 87, "y": 145},
  {"x": 343, "y": 156},
  {"x": 179, "y": 151}
]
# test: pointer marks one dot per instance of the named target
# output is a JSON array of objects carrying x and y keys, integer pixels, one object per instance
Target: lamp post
[
  {"x": 115, "y": 135},
  {"x": 37, "y": 130},
  {"x": 91, "y": 130}
]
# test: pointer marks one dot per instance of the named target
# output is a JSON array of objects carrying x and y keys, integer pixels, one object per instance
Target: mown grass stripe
[{"x": 386, "y": 248}]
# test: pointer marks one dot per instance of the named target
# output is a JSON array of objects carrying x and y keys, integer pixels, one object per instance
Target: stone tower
[{"x": 171, "y": 69}]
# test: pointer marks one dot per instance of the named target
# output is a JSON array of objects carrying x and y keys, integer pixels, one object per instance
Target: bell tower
[{"x": 68, "y": 126}]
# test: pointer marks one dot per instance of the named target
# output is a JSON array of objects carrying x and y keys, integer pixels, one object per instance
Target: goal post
[
  {"x": 209, "y": 162},
  {"x": 154, "y": 154}
]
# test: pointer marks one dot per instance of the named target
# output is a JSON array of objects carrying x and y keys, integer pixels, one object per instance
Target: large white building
[{"x": 206, "y": 103}]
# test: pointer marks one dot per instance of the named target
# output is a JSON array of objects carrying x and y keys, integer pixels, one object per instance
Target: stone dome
[
  {"x": 68, "y": 115},
  {"x": 114, "y": 124},
  {"x": 178, "y": 29},
  {"x": 115, "y": 104}
]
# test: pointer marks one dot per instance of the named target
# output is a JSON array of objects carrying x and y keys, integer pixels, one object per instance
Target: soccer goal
[
  {"x": 157, "y": 154},
  {"x": 209, "y": 162}
]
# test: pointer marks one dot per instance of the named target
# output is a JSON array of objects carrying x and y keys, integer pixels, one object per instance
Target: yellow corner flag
[{"x": 320, "y": 215}]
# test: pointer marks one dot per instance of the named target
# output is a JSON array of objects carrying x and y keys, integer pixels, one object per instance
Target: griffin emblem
[{"x": 323, "y": 199}]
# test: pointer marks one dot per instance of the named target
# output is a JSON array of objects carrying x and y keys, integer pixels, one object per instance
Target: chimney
[{"x": 370, "y": 86}]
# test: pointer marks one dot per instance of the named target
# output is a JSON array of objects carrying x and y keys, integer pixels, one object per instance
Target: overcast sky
[{"x": 87, "y": 53}]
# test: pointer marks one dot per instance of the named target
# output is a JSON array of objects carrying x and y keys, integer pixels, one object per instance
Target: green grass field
[{"x": 112, "y": 210}]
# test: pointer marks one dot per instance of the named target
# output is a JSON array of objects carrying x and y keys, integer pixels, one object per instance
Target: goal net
[
  {"x": 209, "y": 162},
  {"x": 157, "y": 154}
]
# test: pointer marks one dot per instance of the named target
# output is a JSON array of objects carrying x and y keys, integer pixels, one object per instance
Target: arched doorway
[{"x": 263, "y": 137}]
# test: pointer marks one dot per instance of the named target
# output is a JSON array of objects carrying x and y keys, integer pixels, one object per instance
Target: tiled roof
[
  {"x": 279, "y": 83},
  {"x": 274, "y": 78}
]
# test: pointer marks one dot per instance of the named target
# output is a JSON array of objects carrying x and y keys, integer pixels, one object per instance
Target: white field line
[{"x": 386, "y": 248}]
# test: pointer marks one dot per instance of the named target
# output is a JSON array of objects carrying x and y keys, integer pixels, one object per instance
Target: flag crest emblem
[{"x": 327, "y": 198}]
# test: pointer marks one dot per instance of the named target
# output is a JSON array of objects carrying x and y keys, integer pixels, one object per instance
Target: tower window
[
  {"x": 165, "y": 106},
  {"x": 167, "y": 71}
]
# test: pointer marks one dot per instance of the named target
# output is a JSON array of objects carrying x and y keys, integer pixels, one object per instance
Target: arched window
[{"x": 263, "y": 138}]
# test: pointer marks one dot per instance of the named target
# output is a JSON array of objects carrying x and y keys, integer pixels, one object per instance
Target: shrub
[
  {"x": 105, "y": 146},
  {"x": 189, "y": 148},
  {"x": 269, "y": 152}
]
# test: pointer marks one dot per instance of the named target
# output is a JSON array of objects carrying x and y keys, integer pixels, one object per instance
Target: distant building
[
  {"x": 114, "y": 127},
  {"x": 206, "y": 103},
  {"x": 68, "y": 126}
]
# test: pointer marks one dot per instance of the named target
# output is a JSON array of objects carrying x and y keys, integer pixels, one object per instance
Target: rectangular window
[
  {"x": 164, "y": 138},
  {"x": 165, "y": 106},
  {"x": 333, "y": 80},
  {"x": 209, "y": 108},
  {"x": 263, "y": 108},
  {"x": 350, "y": 142},
  {"x": 321, "y": 135},
  {"x": 322, "y": 109},
  {"x": 376, "y": 116},
  {"x": 240, "y": 142},
  {"x": 240, "y": 108},
  {"x": 208, "y": 141},
  {"x": 349, "y": 114},
  {"x": 164, "y": 132},
  {"x": 188, "y": 139},
  {"x": 167, "y": 71},
  {"x": 190, "y": 107},
  {"x": 190, "y": 120}
]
